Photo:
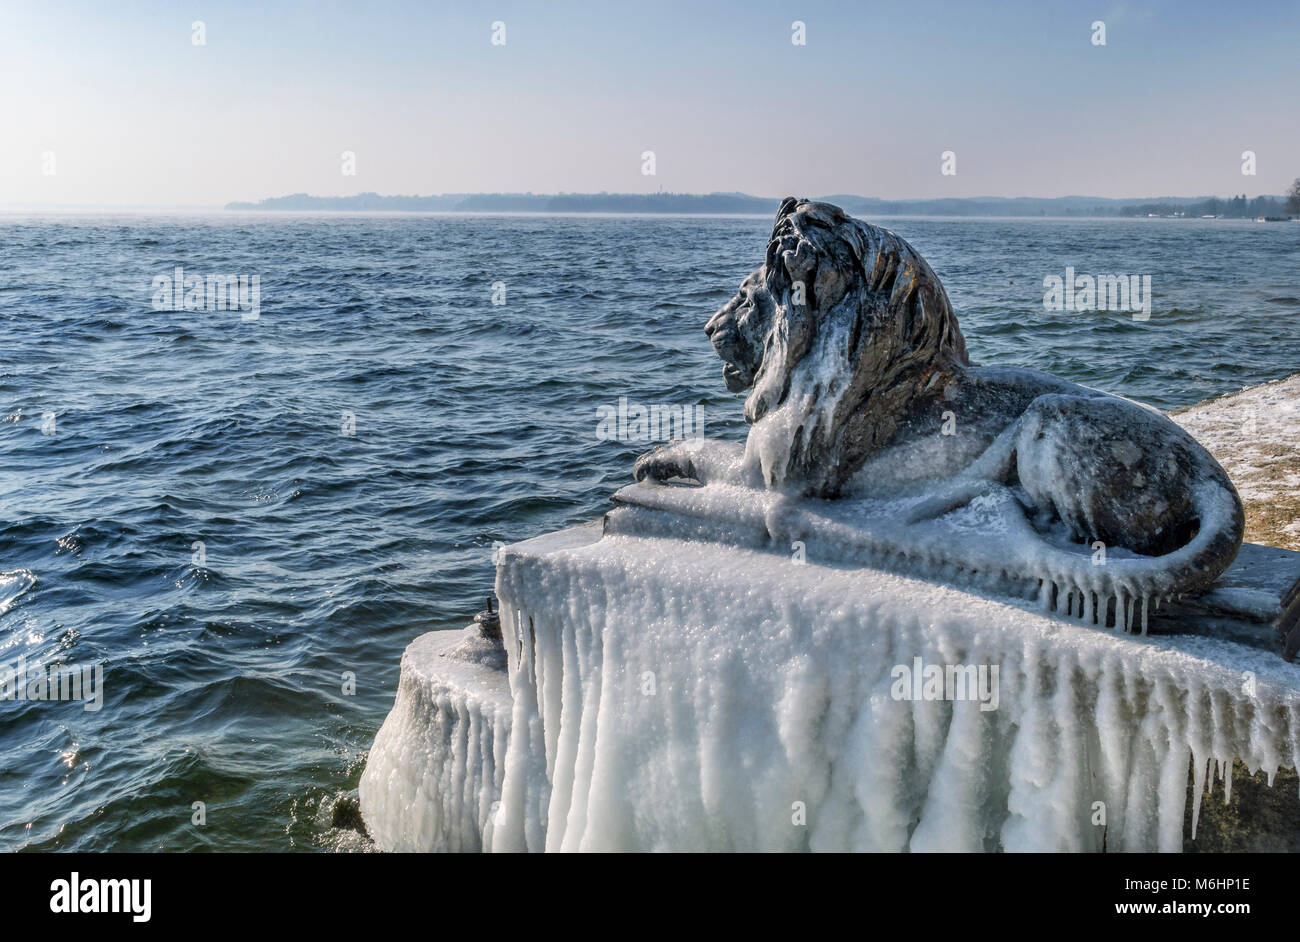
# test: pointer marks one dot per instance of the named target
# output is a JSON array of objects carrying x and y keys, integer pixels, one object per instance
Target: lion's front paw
[{"x": 666, "y": 461}]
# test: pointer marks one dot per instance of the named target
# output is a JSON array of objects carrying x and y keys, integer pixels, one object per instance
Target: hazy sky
[{"x": 134, "y": 113}]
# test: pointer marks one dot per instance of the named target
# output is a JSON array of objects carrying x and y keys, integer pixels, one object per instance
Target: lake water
[{"x": 246, "y": 521}]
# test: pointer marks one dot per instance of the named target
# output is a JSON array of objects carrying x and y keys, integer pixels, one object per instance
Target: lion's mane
[{"x": 861, "y": 327}]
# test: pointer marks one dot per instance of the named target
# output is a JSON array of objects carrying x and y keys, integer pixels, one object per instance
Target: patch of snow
[{"x": 1254, "y": 434}]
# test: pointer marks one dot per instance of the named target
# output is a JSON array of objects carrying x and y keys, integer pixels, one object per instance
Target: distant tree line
[{"x": 1234, "y": 207}]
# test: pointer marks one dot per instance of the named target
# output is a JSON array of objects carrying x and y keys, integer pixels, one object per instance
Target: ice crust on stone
[
  {"x": 433, "y": 778},
  {"x": 973, "y": 532},
  {"x": 668, "y": 695}
]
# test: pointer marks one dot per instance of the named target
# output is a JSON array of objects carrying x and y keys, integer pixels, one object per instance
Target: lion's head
[{"x": 837, "y": 332}]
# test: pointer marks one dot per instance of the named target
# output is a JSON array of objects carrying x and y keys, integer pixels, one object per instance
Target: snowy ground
[{"x": 1255, "y": 435}]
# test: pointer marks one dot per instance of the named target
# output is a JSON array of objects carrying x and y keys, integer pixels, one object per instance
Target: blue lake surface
[{"x": 326, "y": 548}]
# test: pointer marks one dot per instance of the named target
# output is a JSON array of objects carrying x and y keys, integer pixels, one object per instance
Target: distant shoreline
[
  {"x": 741, "y": 204},
  {"x": 217, "y": 212}
]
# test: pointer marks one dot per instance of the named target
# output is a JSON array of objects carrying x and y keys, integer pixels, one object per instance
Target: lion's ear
[{"x": 783, "y": 214}]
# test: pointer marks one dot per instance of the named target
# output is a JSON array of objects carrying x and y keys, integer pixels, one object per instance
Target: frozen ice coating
[
  {"x": 434, "y": 774},
  {"x": 925, "y": 606},
  {"x": 674, "y": 698}
]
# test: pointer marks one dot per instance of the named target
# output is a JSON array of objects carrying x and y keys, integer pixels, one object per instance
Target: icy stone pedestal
[
  {"x": 704, "y": 691},
  {"x": 435, "y": 770}
]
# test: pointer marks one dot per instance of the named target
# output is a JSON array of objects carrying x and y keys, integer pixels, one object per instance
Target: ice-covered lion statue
[{"x": 860, "y": 385}]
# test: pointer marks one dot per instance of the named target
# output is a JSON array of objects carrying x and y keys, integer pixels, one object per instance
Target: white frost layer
[
  {"x": 1253, "y": 435},
  {"x": 433, "y": 777},
  {"x": 677, "y": 695}
]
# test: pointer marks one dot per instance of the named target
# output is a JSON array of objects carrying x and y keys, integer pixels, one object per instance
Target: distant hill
[
  {"x": 765, "y": 206},
  {"x": 524, "y": 203}
]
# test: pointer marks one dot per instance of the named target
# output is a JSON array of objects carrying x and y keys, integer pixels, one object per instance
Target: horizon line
[{"x": 245, "y": 205}]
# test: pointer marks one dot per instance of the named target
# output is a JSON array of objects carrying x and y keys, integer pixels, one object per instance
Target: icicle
[
  {"x": 1198, "y": 786},
  {"x": 1145, "y": 600},
  {"x": 1227, "y": 782}
]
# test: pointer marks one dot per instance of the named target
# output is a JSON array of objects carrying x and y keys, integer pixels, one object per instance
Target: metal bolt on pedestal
[{"x": 489, "y": 622}]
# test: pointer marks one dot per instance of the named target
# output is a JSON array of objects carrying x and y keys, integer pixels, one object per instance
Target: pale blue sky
[{"x": 135, "y": 114}]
